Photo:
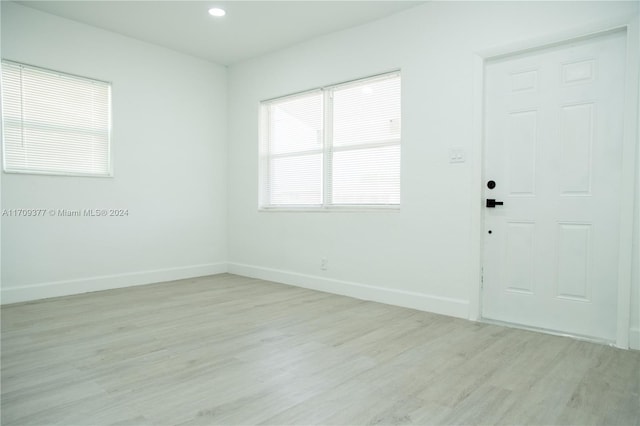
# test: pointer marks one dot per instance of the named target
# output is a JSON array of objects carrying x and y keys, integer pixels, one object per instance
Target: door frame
[{"x": 630, "y": 189}]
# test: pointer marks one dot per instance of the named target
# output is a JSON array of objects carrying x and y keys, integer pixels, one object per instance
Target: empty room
[{"x": 320, "y": 213}]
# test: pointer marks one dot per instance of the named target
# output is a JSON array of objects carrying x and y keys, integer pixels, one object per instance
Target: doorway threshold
[{"x": 589, "y": 339}]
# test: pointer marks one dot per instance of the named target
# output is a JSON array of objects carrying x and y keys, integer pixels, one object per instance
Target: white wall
[
  {"x": 427, "y": 255},
  {"x": 169, "y": 145}
]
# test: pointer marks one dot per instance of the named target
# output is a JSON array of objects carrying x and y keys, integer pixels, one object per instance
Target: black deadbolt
[{"x": 491, "y": 184}]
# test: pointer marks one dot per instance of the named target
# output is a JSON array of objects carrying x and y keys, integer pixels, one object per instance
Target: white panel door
[{"x": 553, "y": 143}]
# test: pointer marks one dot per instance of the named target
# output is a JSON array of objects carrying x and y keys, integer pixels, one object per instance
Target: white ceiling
[{"x": 249, "y": 29}]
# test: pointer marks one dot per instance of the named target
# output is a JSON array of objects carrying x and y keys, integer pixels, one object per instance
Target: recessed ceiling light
[{"x": 216, "y": 11}]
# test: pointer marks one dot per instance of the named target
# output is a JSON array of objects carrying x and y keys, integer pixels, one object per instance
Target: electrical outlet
[{"x": 324, "y": 264}]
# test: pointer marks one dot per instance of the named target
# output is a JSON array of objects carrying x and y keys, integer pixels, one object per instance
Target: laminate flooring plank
[
  {"x": 16, "y": 408},
  {"x": 230, "y": 350},
  {"x": 603, "y": 394}
]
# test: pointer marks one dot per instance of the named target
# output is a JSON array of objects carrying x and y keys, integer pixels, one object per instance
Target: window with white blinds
[
  {"x": 334, "y": 147},
  {"x": 54, "y": 123}
]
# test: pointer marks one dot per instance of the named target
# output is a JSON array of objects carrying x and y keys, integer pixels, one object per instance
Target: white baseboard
[
  {"x": 107, "y": 282},
  {"x": 423, "y": 302},
  {"x": 634, "y": 338}
]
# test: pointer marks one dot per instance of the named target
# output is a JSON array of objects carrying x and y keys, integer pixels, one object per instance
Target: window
[
  {"x": 334, "y": 147},
  {"x": 54, "y": 123}
]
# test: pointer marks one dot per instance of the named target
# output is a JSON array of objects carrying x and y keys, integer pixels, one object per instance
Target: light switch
[{"x": 456, "y": 155}]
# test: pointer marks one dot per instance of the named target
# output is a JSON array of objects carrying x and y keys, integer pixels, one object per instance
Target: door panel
[
  {"x": 576, "y": 137},
  {"x": 553, "y": 143}
]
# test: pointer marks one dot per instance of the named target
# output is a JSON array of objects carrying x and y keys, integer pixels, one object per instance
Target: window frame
[
  {"x": 327, "y": 152},
  {"x": 24, "y": 171}
]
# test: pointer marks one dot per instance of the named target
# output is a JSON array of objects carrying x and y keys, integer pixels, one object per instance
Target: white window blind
[
  {"x": 295, "y": 150},
  {"x": 366, "y": 143},
  {"x": 336, "y": 146},
  {"x": 54, "y": 123}
]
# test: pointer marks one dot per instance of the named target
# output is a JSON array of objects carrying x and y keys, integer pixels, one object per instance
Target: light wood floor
[{"x": 233, "y": 350}]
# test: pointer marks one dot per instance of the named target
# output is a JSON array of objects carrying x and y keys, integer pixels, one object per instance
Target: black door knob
[{"x": 491, "y": 203}]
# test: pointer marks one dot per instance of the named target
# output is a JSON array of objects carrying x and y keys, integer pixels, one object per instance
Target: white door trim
[{"x": 629, "y": 190}]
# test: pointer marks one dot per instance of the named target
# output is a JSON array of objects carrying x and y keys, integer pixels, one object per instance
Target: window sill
[
  {"x": 51, "y": 173},
  {"x": 333, "y": 209}
]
